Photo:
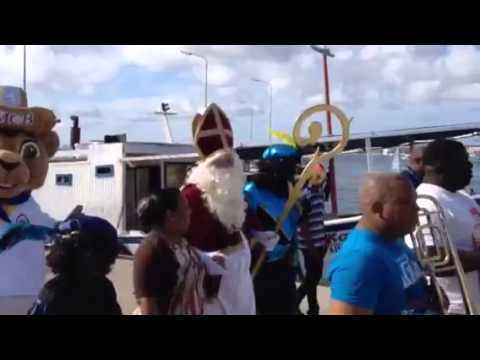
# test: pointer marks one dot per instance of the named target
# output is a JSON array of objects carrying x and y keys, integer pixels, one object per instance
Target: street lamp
[
  {"x": 323, "y": 50},
  {"x": 165, "y": 112},
  {"x": 189, "y": 53},
  {"x": 326, "y": 53},
  {"x": 269, "y": 84},
  {"x": 25, "y": 68},
  {"x": 251, "y": 118}
]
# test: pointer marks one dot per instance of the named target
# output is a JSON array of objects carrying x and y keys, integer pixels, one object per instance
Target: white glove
[
  {"x": 269, "y": 239},
  {"x": 214, "y": 262}
]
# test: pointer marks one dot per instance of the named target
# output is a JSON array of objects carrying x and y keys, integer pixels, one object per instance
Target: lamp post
[
  {"x": 165, "y": 112},
  {"x": 25, "y": 68},
  {"x": 326, "y": 53},
  {"x": 269, "y": 84},
  {"x": 251, "y": 118},
  {"x": 189, "y": 53}
]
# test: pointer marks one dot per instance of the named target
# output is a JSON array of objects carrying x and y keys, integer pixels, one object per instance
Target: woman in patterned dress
[{"x": 170, "y": 277}]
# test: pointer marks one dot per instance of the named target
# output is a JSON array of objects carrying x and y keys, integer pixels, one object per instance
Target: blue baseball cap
[
  {"x": 92, "y": 227},
  {"x": 280, "y": 151}
]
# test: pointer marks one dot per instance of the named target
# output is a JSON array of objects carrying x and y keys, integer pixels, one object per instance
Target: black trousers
[
  {"x": 314, "y": 269},
  {"x": 275, "y": 290}
]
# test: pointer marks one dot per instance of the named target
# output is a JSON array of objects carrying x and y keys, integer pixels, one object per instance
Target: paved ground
[{"x": 122, "y": 279}]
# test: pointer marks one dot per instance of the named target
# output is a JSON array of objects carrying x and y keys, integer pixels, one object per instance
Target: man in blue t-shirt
[{"x": 375, "y": 272}]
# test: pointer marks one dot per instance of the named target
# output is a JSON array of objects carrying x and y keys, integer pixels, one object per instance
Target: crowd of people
[
  {"x": 215, "y": 246},
  {"x": 197, "y": 265},
  {"x": 376, "y": 270}
]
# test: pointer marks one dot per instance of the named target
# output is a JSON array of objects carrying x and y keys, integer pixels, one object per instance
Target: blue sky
[{"x": 116, "y": 89}]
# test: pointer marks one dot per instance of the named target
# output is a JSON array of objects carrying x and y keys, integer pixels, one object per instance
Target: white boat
[{"x": 108, "y": 178}]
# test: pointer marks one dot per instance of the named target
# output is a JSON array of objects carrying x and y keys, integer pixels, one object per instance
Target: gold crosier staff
[{"x": 315, "y": 133}]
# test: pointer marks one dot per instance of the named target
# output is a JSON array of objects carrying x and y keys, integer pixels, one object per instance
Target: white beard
[{"x": 222, "y": 190}]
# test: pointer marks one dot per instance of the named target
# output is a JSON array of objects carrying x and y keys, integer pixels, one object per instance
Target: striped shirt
[{"x": 313, "y": 203}]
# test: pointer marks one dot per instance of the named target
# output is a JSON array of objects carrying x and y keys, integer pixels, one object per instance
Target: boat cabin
[{"x": 108, "y": 178}]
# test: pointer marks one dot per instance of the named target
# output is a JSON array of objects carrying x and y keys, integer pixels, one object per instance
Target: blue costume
[
  {"x": 266, "y": 196},
  {"x": 273, "y": 205}
]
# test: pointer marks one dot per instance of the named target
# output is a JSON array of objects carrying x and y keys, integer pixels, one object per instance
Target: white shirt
[
  {"x": 236, "y": 295},
  {"x": 462, "y": 217},
  {"x": 23, "y": 267}
]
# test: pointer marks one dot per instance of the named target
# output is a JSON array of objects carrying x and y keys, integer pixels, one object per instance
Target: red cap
[{"x": 318, "y": 168}]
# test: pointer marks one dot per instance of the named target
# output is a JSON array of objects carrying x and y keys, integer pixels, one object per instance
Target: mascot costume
[
  {"x": 27, "y": 142},
  {"x": 273, "y": 211},
  {"x": 214, "y": 191}
]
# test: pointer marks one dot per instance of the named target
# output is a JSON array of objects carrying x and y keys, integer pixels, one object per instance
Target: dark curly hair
[
  {"x": 85, "y": 253},
  {"x": 449, "y": 160},
  {"x": 443, "y": 152},
  {"x": 152, "y": 209}
]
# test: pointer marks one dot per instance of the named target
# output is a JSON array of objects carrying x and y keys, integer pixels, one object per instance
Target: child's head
[
  {"x": 89, "y": 246},
  {"x": 166, "y": 209},
  {"x": 319, "y": 177}
]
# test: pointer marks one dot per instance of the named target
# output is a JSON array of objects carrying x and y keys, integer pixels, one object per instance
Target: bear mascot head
[{"x": 26, "y": 143}]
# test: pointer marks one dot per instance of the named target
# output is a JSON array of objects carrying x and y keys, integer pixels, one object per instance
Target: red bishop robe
[{"x": 206, "y": 232}]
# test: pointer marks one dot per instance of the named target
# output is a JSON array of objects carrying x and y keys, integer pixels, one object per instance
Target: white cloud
[
  {"x": 68, "y": 78},
  {"x": 219, "y": 74},
  {"x": 227, "y": 50},
  {"x": 369, "y": 52},
  {"x": 11, "y": 60},
  {"x": 338, "y": 96},
  {"x": 419, "y": 91},
  {"x": 428, "y": 51},
  {"x": 226, "y": 90},
  {"x": 306, "y": 61},
  {"x": 470, "y": 92},
  {"x": 344, "y": 55},
  {"x": 154, "y": 57},
  {"x": 393, "y": 49},
  {"x": 463, "y": 61},
  {"x": 392, "y": 71},
  {"x": 372, "y": 95},
  {"x": 93, "y": 113},
  {"x": 315, "y": 99},
  {"x": 279, "y": 84},
  {"x": 69, "y": 72},
  {"x": 52, "y": 70}
]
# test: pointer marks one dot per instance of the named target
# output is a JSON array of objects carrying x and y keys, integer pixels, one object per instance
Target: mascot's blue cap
[{"x": 280, "y": 151}]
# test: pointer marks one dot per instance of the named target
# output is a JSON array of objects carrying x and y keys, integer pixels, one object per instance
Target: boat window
[
  {"x": 64, "y": 179},
  {"x": 104, "y": 171},
  {"x": 140, "y": 182},
  {"x": 175, "y": 173}
]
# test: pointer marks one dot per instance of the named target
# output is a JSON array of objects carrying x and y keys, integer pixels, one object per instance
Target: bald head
[
  {"x": 388, "y": 202},
  {"x": 379, "y": 187}
]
